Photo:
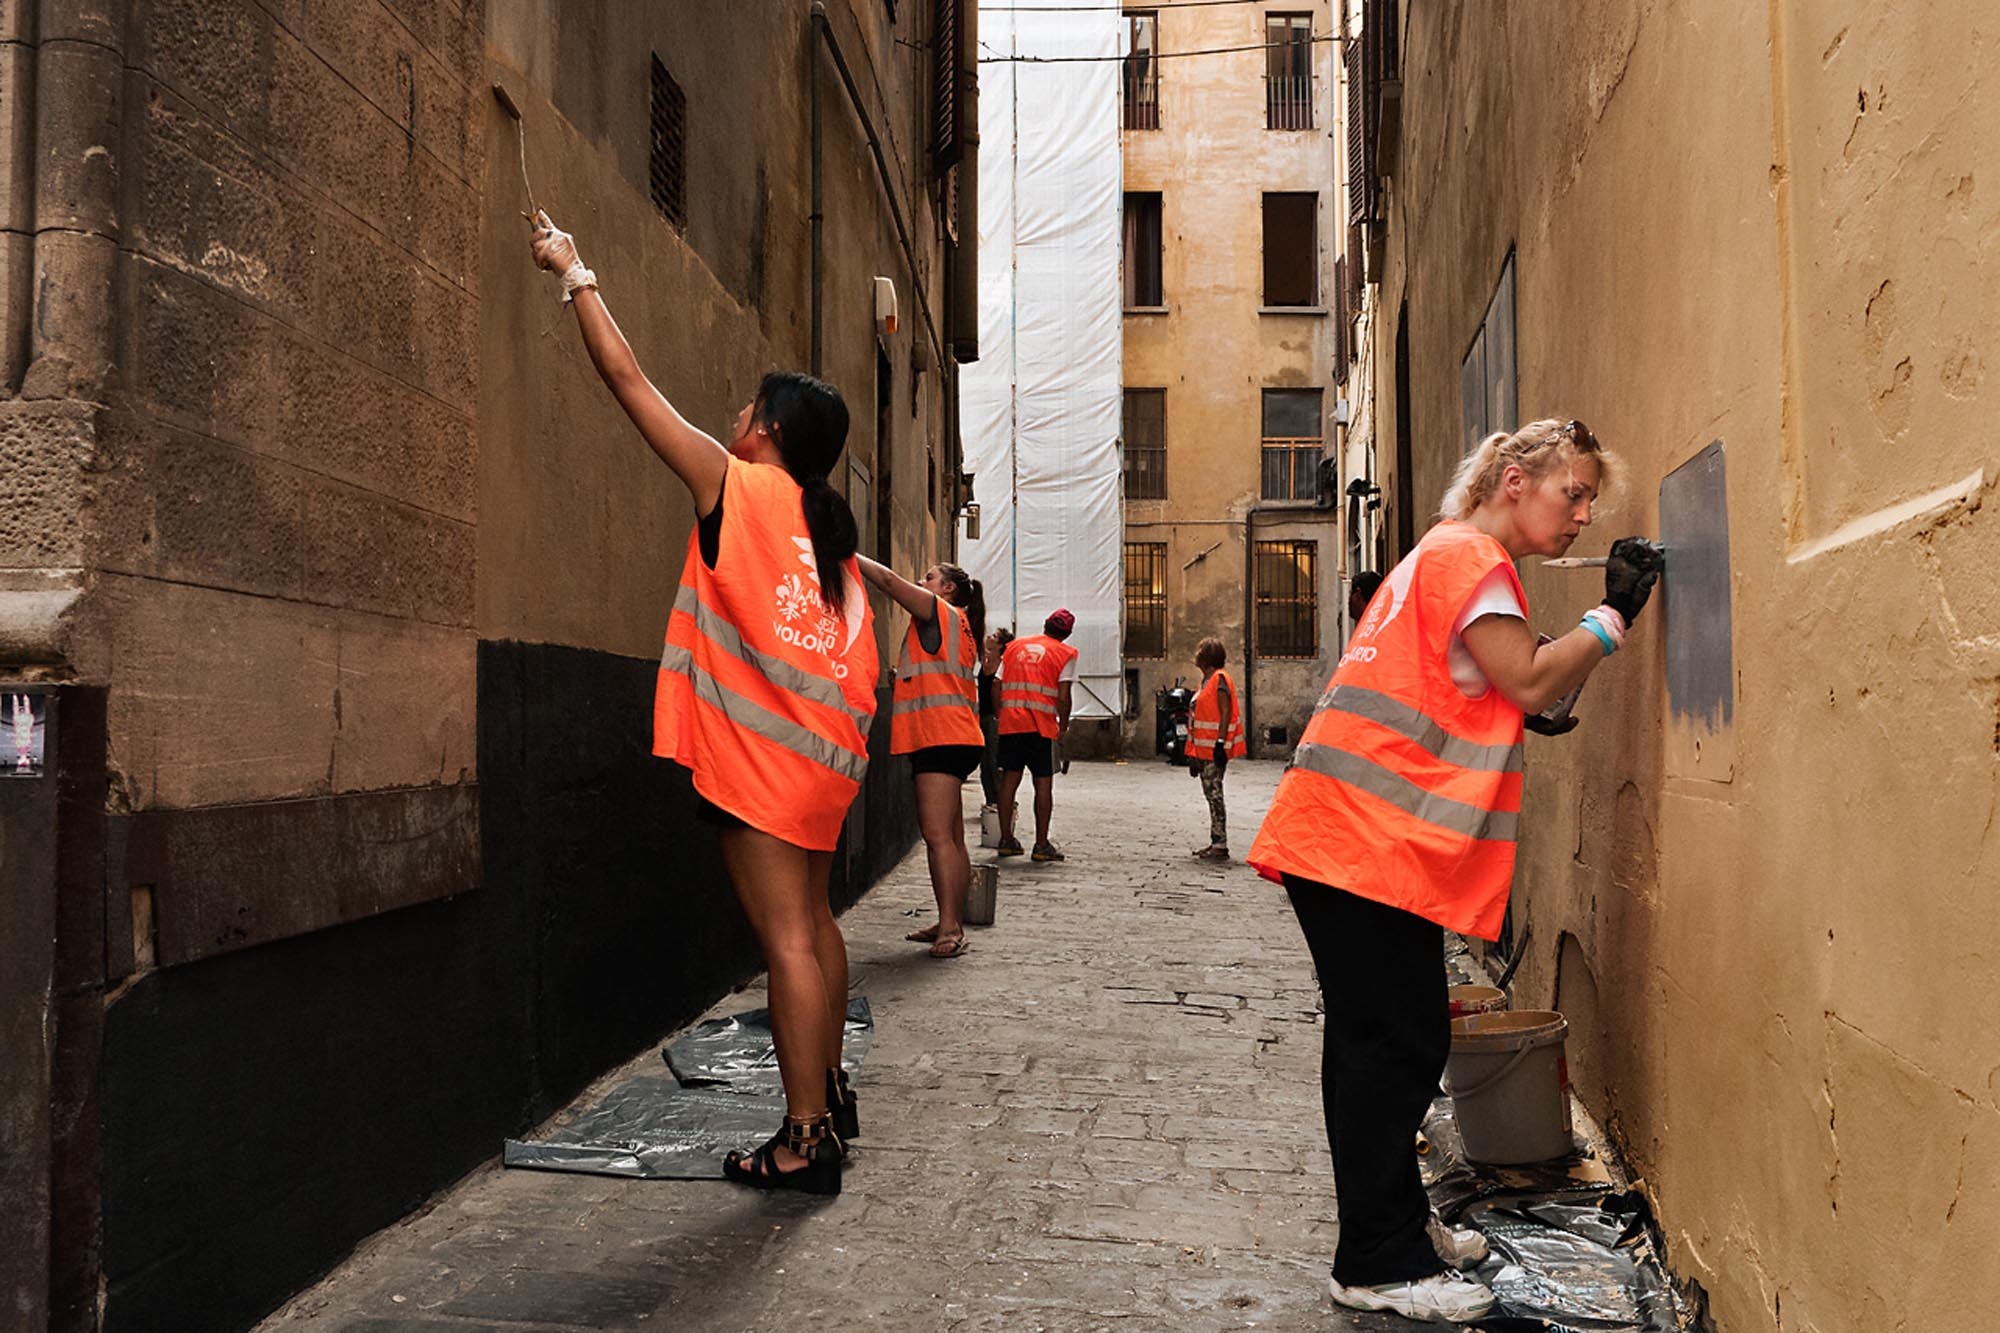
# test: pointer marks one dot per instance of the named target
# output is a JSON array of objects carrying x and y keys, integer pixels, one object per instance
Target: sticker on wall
[{"x": 24, "y": 726}]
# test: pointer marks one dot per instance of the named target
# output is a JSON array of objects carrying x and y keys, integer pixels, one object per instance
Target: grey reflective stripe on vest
[
  {"x": 1029, "y": 706},
  {"x": 1405, "y": 795},
  {"x": 1024, "y": 687},
  {"x": 1406, "y": 721},
  {"x": 923, "y": 701},
  {"x": 779, "y": 672},
  {"x": 752, "y": 716}
]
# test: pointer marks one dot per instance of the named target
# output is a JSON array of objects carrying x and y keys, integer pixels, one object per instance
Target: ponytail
[
  {"x": 970, "y": 598},
  {"x": 1535, "y": 448},
  {"x": 807, "y": 419},
  {"x": 835, "y": 538}
]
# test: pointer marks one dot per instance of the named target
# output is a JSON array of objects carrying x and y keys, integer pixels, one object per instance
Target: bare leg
[
  {"x": 1010, "y": 783},
  {"x": 941, "y": 817},
  {"x": 830, "y": 948},
  {"x": 1045, "y": 804},
  {"x": 776, "y": 884}
]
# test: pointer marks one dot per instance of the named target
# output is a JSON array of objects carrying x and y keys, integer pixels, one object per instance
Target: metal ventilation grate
[{"x": 668, "y": 157}]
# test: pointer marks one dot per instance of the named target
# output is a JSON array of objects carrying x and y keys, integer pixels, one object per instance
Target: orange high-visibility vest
[
  {"x": 1206, "y": 729},
  {"x": 1030, "y": 670},
  {"x": 765, "y": 693},
  {"x": 937, "y": 694},
  {"x": 1403, "y": 790}
]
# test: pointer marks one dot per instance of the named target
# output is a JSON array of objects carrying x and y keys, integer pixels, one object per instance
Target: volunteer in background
[
  {"x": 934, "y": 719},
  {"x": 1215, "y": 736},
  {"x": 766, "y": 693},
  {"x": 1396, "y": 822},
  {"x": 1036, "y": 676}
]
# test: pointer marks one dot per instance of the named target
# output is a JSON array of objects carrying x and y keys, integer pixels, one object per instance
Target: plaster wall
[
  {"x": 1764, "y": 225},
  {"x": 1214, "y": 351}
]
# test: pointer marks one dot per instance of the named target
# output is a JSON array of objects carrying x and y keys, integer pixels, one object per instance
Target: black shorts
[
  {"x": 708, "y": 812},
  {"x": 1027, "y": 749},
  {"x": 957, "y": 760}
]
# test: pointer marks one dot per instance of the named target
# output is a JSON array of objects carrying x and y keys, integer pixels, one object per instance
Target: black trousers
[{"x": 1388, "y": 1031}]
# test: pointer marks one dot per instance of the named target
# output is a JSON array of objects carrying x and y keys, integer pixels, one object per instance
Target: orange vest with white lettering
[
  {"x": 766, "y": 693},
  {"x": 937, "y": 694},
  {"x": 1206, "y": 729},
  {"x": 1030, "y": 671},
  {"x": 1403, "y": 790}
]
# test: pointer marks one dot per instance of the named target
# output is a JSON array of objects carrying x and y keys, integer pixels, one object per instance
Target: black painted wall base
[{"x": 265, "y": 1110}]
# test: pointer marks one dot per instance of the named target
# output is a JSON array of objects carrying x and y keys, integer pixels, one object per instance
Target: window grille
[
  {"x": 1287, "y": 596},
  {"x": 1292, "y": 439},
  {"x": 1288, "y": 82},
  {"x": 1145, "y": 432},
  {"x": 667, "y": 160},
  {"x": 1145, "y": 599},
  {"x": 1139, "y": 82}
]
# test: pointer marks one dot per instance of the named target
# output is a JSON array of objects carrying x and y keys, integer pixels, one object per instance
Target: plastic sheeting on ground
[
  {"x": 1041, "y": 410},
  {"x": 1567, "y": 1265},
  {"x": 721, "y": 1093}
]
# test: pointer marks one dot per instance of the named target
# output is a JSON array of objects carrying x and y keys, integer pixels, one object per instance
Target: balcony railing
[
  {"x": 1288, "y": 102},
  {"x": 1291, "y": 469},
  {"x": 1139, "y": 95}
]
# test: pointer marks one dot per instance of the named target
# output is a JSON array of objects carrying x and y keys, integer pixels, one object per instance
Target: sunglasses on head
[{"x": 1579, "y": 435}]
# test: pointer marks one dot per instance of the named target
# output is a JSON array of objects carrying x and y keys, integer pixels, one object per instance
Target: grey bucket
[
  {"x": 1508, "y": 1079},
  {"x": 979, "y": 895}
]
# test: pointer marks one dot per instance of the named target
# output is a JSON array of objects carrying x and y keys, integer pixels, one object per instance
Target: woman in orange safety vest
[
  {"x": 1215, "y": 736},
  {"x": 934, "y": 719},
  {"x": 766, "y": 694},
  {"x": 1395, "y": 822}
]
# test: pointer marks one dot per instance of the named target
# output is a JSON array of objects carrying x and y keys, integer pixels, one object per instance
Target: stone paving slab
[{"x": 1105, "y": 1115}]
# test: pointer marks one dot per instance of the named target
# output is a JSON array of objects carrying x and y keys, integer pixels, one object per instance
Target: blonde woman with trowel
[{"x": 1396, "y": 822}]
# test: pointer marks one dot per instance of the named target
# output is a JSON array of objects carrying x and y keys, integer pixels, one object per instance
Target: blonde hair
[{"x": 1535, "y": 448}]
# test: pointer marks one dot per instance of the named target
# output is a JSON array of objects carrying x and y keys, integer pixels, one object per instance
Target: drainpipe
[{"x": 818, "y": 215}]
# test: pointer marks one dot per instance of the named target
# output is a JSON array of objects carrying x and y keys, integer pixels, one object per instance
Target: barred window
[
  {"x": 1145, "y": 599},
  {"x": 1288, "y": 85},
  {"x": 1145, "y": 444},
  {"x": 667, "y": 158},
  {"x": 1287, "y": 599},
  {"x": 1291, "y": 444},
  {"x": 1139, "y": 81}
]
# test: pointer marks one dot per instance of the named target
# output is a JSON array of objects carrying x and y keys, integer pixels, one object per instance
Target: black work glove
[
  {"x": 1541, "y": 726},
  {"x": 1194, "y": 766},
  {"x": 1630, "y": 572}
]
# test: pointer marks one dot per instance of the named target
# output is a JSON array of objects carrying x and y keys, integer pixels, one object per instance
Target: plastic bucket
[
  {"x": 1477, "y": 1000},
  {"x": 1508, "y": 1080},
  {"x": 980, "y": 894},
  {"x": 989, "y": 826}
]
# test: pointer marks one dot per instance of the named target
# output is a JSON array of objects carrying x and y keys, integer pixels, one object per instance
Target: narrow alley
[{"x": 1105, "y": 1114}]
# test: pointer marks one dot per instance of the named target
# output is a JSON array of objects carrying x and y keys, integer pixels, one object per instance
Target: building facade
[
  {"x": 1751, "y": 247},
  {"x": 1235, "y": 295},
  {"x": 332, "y": 583}
]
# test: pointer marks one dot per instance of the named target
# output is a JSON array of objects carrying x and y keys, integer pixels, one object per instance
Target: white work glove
[{"x": 555, "y": 250}]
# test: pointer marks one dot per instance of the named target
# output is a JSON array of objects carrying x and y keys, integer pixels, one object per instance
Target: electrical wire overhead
[{"x": 1146, "y": 55}]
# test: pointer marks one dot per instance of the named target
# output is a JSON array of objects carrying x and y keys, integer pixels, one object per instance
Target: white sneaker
[
  {"x": 1461, "y": 1247},
  {"x": 1448, "y": 1296}
]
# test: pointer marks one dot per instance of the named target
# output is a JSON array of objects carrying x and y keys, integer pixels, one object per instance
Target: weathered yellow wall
[
  {"x": 1212, "y": 160},
  {"x": 1763, "y": 224}
]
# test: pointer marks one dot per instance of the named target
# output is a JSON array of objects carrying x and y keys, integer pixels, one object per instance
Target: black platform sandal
[
  {"x": 812, "y": 1139},
  {"x": 840, "y": 1105}
]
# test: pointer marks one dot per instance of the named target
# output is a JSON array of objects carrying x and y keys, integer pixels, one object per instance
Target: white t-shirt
[{"x": 1493, "y": 597}]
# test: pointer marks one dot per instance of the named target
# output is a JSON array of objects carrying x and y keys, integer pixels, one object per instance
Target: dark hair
[
  {"x": 970, "y": 598},
  {"x": 1209, "y": 654},
  {"x": 1004, "y": 636},
  {"x": 1366, "y": 582},
  {"x": 807, "y": 419}
]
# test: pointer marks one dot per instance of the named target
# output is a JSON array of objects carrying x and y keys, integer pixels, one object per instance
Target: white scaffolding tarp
[{"x": 1040, "y": 409}]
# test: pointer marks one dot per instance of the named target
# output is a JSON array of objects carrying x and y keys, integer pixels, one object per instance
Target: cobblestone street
[{"x": 1104, "y": 1115}]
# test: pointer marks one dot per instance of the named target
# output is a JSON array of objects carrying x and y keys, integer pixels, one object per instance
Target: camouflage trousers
[{"x": 1218, "y": 817}]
